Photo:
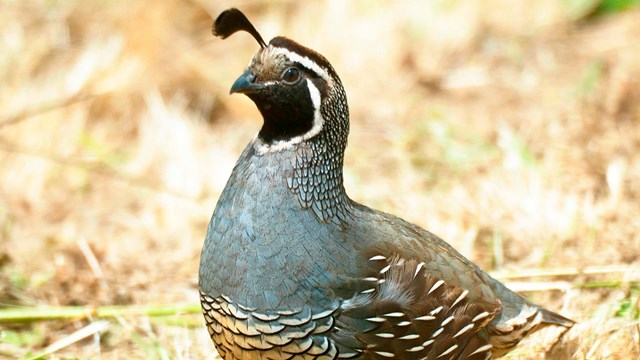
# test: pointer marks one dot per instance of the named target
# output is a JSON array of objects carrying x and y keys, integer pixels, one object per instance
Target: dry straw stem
[
  {"x": 89, "y": 330},
  {"x": 627, "y": 271},
  {"x": 39, "y": 313}
]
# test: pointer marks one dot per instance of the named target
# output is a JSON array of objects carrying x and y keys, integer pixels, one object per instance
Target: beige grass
[{"x": 506, "y": 127}]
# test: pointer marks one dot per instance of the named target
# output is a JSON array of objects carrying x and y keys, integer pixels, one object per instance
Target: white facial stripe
[
  {"x": 279, "y": 145},
  {"x": 318, "y": 121},
  {"x": 305, "y": 61}
]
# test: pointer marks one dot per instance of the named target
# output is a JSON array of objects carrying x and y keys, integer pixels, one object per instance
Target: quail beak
[{"x": 246, "y": 84}]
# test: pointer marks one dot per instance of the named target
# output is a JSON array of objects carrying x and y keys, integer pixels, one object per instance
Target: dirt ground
[{"x": 509, "y": 128}]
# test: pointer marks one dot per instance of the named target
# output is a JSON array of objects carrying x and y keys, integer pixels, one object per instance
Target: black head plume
[{"x": 232, "y": 20}]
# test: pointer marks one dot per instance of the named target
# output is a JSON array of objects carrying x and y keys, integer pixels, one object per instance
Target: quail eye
[{"x": 291, "y": 75}]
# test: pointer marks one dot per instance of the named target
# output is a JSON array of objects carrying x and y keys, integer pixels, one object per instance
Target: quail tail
[{"x": 551, "y": 318}]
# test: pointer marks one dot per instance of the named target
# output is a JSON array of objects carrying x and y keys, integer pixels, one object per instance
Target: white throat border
[{"x": 262, "y": 148}]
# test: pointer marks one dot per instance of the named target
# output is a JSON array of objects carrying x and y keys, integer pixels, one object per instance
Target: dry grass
[{"x": 507, "y": 127}]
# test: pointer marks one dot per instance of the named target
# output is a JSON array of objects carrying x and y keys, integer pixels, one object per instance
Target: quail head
[{"x": 292, "y": 268}]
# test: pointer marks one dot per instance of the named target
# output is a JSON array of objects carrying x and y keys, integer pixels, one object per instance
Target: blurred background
[{"x": 511, "y": 128}]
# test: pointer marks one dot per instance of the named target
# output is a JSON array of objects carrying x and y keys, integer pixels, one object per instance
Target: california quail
[{"x": 293, "y": 268}]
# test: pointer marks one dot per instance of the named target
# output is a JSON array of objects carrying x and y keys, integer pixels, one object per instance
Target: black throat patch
[{"x": 288, "y": 112}]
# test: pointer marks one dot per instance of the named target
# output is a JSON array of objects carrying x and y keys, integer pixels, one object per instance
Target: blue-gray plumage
[{"x": 293, "y": 268}]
